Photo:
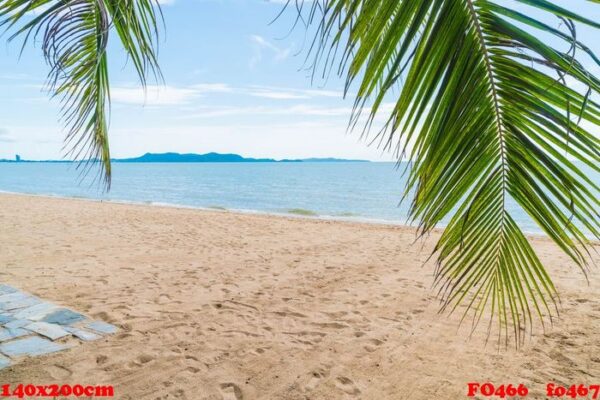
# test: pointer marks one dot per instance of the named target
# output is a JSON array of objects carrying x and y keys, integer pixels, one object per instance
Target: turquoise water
[{"x": 362, "y": 191}]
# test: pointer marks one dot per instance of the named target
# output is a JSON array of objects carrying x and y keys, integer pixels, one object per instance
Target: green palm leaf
[
  {"x": 75, "y": 36},
  {"x": 485, "y": 106}
]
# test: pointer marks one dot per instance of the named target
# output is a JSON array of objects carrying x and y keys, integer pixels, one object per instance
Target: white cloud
[
  {"x": 212, "y": 88},
  {"x": 153, "y": 95},
  {"x": 5, "y": 136},
  {"x": 272, "y": 92},
  {"x": 173, "y": 95},
  {"x": 324, "y": 93},
  {"x": 261, "y": 44},
  {"x": 295, "y": 110},
  {"x": 302, "y": 109},
  {"x": 276, "y": 94}
]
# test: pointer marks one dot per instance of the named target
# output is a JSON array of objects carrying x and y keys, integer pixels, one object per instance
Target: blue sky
[{"x": 233, "y": 83}]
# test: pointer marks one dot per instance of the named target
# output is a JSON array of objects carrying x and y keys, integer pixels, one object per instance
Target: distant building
[{"x": 17, "y": 158}]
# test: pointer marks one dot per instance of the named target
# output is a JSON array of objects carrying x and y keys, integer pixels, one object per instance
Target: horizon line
[{"x": 214, "y": 157}]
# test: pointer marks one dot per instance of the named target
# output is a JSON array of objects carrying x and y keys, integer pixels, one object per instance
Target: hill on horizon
[
  {"x": 219, "y": 157},
  {"x": 194, "y": 158}
]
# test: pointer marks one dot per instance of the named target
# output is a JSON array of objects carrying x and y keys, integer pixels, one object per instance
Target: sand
[{"x": 221, "y": 305}]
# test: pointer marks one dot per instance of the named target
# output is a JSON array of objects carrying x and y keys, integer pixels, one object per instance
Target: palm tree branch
[
  {"x": 486, "y": 128},
  {"x": 75, "y": 36}
]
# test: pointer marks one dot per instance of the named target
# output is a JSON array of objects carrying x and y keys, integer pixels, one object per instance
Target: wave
[{"x": 302, "y": 211}]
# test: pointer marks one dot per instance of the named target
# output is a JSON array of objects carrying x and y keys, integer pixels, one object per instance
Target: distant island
[{"x": 195, "y": 158}]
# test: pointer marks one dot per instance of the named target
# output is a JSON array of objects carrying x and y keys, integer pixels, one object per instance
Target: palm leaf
[
  {"x": 75, "y": 37},
  {"x": 485, "y": 106}
]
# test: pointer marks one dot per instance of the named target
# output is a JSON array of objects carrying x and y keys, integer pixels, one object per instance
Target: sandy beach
[{"x": 221, "y": 305}]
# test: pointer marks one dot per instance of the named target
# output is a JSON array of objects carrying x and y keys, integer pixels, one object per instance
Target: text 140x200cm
[{"x": 29, "y": 390}]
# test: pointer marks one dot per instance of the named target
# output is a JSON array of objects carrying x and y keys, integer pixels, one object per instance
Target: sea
[{"x": 355, "y": 191}]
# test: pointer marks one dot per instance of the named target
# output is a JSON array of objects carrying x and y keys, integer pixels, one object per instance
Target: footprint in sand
[
  {"x": 58, "y": 372},
  {"x": 178, "y": 393},
  {"x": 373, "y": 344},
  {"x": 315, "y": 378},
  {"x": 145, "y": 358},
  {"x": 346, "y": 385},
  {"x": 163, "y": 299},
  {"x": 139, "y": 361},
  {"x": 231, "y": 391},
  {"x": 101, "y": 359},
  {"x": 330, "y": 325},
  {"x": 193, "y": 370}
]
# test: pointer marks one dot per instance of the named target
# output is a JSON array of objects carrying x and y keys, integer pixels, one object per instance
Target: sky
[{"x": 234, "y": 83}]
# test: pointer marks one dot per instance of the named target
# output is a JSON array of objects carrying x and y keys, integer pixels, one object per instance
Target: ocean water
[{"x": 354, "y": 191}]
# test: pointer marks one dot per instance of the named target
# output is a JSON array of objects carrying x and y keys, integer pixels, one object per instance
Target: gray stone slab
[
  {"x": 102, "y": 327},
  {"x": 32, "y": 346},
  {"x": 51, "y": 331},
  {"x": 82, "y": 334},
  {"x": 9, "y": 334},
  {"x": 36, "y": 312},
  {"x": 4, "y": 362},
  {"x": 25, "y": 302},
  {"x": 6, "y": 289},
  {"x": 5, "y": 298},
  {"x": 17, "y": 323},
  {"x": 63, "y": 316}
]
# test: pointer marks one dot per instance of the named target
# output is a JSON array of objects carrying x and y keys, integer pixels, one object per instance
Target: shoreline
[{"x": 316, "y": 217}]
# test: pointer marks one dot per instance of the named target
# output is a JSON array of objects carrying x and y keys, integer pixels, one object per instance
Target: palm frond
[
  {"x": 486, "y": 115},
  {"x": 74, "y": 39}
]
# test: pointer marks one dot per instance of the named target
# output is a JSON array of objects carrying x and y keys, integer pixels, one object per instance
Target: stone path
[{"x": 32, "y": 327}]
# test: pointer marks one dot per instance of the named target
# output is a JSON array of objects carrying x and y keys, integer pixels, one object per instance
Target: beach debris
[
  {"x": 32, "y": 327},
  {"x": 31, "y": 346}
]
